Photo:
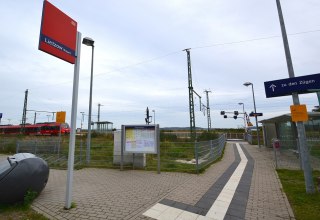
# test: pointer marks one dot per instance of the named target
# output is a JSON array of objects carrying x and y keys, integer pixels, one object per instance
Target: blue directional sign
[{"x": 300, "y": 85}]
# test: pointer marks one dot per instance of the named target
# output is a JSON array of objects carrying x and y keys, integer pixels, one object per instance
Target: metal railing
[
  {"x": 207, "y": 152},
  {"x": 239, "y": 136},
  {"x": 253, "y": 139},
  {"x": 288, "y": 154},
  {"x": 178, "y": 156}
]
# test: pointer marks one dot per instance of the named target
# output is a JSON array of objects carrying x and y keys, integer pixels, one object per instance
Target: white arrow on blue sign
[{"x": 300, "y": 85}]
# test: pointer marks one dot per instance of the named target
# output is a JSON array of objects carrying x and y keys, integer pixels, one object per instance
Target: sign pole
[
  {"x": 158, "y": 146},
  {"x": 255, "y": 111},
  {"x": 122, "y": 145},
  {"x": 304, "y": 153},
  {"x": 73, "y": 124}
]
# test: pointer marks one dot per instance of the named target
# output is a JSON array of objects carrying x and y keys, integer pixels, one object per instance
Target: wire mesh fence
[
  {"x": 179, "y": 155},
  {"x": 238, "y": 136},
  {"x": 207, "y": 152},
  {"x": 287, "y": 155}
]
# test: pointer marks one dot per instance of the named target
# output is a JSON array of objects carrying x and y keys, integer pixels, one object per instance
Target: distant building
[{"x": 103, "y": 127}]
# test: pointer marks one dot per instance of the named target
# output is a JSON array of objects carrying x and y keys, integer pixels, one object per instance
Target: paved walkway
[{"x": 245, "y": 178}]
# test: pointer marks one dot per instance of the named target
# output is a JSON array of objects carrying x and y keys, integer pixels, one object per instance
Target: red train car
[
  {"x": 17, "y": 129},
  {"x": 37, "y": 129},
  {"x": 54, "y": 128}
]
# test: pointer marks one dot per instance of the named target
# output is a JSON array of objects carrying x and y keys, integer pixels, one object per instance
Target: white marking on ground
[{"x": 218, "y": 209}]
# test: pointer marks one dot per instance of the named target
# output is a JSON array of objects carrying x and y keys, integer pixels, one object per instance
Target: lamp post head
[
  {"x": 88, "y": 41},
  {"x": 247, "y": 83},
  {"x": 240, "y": 103}
]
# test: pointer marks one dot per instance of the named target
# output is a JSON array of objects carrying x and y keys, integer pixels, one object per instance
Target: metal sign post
[
  {"x": 300, "y": 126},
  {"x": 73, "y": 124}
]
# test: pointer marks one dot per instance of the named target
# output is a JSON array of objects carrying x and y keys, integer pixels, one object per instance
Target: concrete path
[{"x": 243, "y": 185}]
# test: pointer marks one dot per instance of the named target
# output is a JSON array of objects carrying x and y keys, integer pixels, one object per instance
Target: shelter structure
[
  {"x": 284, "y": 129},
  {"x": 103, "y": 126}
]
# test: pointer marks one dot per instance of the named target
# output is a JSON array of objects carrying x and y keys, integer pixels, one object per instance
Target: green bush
[
  {"x": 29, "y": 197},
  {"x": 168, "y": 137},
  {"x": 207, "y": 136}
]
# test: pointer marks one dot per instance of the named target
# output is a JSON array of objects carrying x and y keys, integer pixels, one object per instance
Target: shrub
[
  {"x": 168, "y": 137},
  {"x": 207, "y": 136}
]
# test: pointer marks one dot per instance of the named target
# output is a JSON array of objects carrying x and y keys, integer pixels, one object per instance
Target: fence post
[
  {"x": 300, "y": 162},
  {"x": 80, "y": 150},
  {"x": 196, "y": 156},
  {"x": 221, "y": 146},
  {"x": 275, "y": 154},
  {"x": 211, "y": 148}
]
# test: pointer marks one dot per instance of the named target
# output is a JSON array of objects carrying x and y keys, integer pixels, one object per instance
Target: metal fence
[
  {"x": 180, "y": 156},
  {"x": 287, "y": 154},
  {"x": 207, "y": 152},
  {"x": 237, "y": 136}
]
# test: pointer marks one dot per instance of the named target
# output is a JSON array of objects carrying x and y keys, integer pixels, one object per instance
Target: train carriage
[{"x": 48, "y": 128}]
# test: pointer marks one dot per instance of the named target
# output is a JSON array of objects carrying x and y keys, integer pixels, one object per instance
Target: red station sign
[{"x": 58, "y": 34}]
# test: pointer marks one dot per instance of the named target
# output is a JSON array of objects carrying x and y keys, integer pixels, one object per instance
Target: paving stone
[{"x": 114, "y": 194}]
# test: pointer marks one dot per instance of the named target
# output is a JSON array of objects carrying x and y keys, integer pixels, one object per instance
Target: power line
[
  {"x": 254, "y": 39},
  {"x": 175, "y": 52}
]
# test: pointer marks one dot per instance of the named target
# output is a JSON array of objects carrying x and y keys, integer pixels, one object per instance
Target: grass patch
[
  {"x": 21, "y": 210},
  {"x": 315, "y": 150},
  {"x": 305, "y": 206}
]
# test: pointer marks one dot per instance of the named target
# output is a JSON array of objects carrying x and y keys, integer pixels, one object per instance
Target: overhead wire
[
  {"x": 175, "y": 52},
  {"x": 196, "y": 47}
]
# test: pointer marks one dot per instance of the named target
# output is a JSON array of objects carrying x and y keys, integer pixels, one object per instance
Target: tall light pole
[
  {"x": 89, "y": 42},
  {"x": 244, "y": 117},
  {"x": 255, "y": 110},
  {"x": 154, "y": 116}
]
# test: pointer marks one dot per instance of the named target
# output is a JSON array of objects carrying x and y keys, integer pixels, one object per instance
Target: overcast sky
[{"x": 139, "y": 61}]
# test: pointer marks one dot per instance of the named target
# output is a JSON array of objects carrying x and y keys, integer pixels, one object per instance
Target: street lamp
[
  {"x": 89, "y": 42},
  {"x": 154, "y": 116},
  {"x": 244, "y": 116},
  {"x": 255, "y": 110}
]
